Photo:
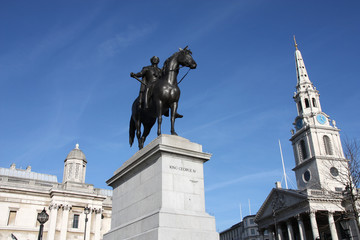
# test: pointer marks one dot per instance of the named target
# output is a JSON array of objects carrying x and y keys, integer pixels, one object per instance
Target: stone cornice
[
  {"x": 312, "y": 127},
  {"x": 20, "y": 190},
  {"x": 51, "y": 193},
  {"x": 84, "y": 195},
  {"x": 161, "y": 146},
  {"x": 307, "y": 161},
  {"x": 284, "y": 214}
]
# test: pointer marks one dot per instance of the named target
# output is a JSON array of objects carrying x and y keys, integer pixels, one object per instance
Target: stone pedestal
[{"x": 159, "y": 194}]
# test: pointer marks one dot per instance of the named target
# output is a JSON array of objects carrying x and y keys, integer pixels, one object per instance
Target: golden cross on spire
[{"x": 295, "y": 43}]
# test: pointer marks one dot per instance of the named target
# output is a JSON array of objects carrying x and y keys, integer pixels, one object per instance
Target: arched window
[
  {"x": 299, "y": 106},
  {"x": 307, "y": 103},
  {"x": 327, "y": 143},
  {"x": 314, "y": 102},
  {"x": 302, "y": 150}
]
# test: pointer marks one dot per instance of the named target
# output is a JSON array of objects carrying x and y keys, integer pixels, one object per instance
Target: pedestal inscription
[{"x": 159, "y": 194}]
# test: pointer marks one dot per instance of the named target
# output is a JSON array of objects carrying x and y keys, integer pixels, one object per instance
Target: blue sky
[{"x": 64, "y": 78}]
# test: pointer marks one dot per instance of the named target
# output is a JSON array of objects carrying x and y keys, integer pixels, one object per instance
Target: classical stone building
[
  {"x": 316, "y": 209},
  {"x": 247, "y": 229},
  {"x": 23, "y": 194}
]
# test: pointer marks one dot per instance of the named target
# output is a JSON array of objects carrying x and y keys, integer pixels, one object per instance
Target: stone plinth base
[{"x": 159, "y": 194}]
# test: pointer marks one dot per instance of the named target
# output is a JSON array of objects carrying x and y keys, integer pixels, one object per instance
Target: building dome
[{"x": 76, "y": 153}]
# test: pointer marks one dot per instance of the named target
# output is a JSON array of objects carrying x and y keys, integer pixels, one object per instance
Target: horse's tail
[{"x": 132, "y": 129}]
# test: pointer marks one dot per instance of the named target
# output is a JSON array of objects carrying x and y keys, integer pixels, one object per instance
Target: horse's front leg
[
  {"x": 159, "y": 107},
  {"x": 174, "y": 107}
]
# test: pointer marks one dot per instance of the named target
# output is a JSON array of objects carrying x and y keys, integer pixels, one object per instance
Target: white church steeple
[
  {"x": 302, "y": 76},
  {"x": 307, "y": 98},
  {"x": 316, "y": 143}
]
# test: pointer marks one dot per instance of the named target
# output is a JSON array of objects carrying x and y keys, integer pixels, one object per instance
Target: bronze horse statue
[{"x": 165, "y": 96}]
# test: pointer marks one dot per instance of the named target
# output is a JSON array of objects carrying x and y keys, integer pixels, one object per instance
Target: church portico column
[
  {"x": 98, "y": 213},
  {"x": 301, "y": 228},
  {"x": 334, "y": 235},
  {"x": 64, "y": 221},
  {"x": 290, "y": 230},
  {"x": 350, "y": 225},
  {"x": 314, "y": 227},
  {"x": 279, "y": 233},
  {"x": 52, "y": 224},
  {"x": 271, "y": 233}
]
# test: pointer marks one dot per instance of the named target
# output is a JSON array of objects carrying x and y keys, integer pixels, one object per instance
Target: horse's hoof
[
  {"x": 173, "y": 133},
  {"x": 177, "y": 115}
]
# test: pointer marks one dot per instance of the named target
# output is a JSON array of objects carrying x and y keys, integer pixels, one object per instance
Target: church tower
[
  {"x": 319, "y": 158},
  {"x": 75, "y": 166}
]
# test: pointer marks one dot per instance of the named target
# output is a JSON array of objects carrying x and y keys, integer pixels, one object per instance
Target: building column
[
  {"x": 88, "y": 225},
  {"x": 52, "y": 224},
  {"x": 314, "y": 227},
  {"x": 261, "y": 233},
  {"x": 332, "y": 226},
  {"x": 271, "y": 233},
  {"x": 290, "y": 230},
  {"x": 64, "y": 221},
  {"x": 98, "y": 213},
  {"x": 301, "y": 228},
  {"x": 279, "y": 233},
  {"x": 352, "y": 226}
]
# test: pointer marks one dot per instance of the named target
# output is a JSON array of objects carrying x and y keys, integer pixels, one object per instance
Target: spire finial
[
  {"x": 295, "y": 43},
  {"x": 77, "y": 146}
]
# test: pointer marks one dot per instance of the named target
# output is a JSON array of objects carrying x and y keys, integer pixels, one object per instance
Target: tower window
[
  {"x": 314, "y": 102},
  {"x": 76, "y": 221},
  {"x": 327, "y": 144},
  {"x": 11, "y": 219},
  {"x": 334, "y": 171},
  {"x": 302, "y": 150},
  {"x": 307, "y": 103},
  {"x": 70, "y": 169},
  {"x": 299, "y": 106},
  {"x": 337, "y": 189},
  {"x": 307, "y": 176},
  {"x": 77, "y": 170}
]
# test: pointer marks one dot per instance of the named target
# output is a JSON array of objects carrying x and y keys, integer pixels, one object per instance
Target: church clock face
[
  {"x": 299, "y": 124},
  {"x": 321, "y": 118}
]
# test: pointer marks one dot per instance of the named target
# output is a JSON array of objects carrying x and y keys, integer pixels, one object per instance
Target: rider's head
[{"x": 154, "y": 60}]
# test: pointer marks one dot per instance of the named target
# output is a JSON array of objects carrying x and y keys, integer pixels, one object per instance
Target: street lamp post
[
  {"x": 86, "y": 211},
  {"x": 42, "y": 219}
]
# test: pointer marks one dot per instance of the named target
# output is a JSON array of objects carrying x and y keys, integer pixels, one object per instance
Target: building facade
[
  {"x": 247, "y": 229},
  {"x": 316, "y": 209},
  {"x": 24, "y": 194}
]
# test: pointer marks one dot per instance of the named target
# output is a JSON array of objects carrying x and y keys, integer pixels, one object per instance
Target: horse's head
[{"x": 185, "y": 58}]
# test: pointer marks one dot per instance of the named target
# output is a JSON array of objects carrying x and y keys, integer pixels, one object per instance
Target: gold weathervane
[{"x": 295, "y": 43}]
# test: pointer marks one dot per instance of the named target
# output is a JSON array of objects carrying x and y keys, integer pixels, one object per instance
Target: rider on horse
[
  {"x": 161, "y": 94},
  {"x": 149, "y": 74}
]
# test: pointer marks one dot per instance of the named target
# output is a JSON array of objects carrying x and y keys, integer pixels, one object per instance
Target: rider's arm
[{"x": 141, "y": 74}]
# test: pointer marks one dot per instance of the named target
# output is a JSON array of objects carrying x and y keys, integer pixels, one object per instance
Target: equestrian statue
[{"x": 159, "y": 95}]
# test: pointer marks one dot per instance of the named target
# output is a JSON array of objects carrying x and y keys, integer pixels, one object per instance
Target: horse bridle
[
  {"x": 184, "y": 76},
  {"x": 178, "y": 68}
]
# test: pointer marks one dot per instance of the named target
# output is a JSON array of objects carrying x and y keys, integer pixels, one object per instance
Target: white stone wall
[
  {"x": 159, "y": 194},
  {"x": 28, "y": 197}
]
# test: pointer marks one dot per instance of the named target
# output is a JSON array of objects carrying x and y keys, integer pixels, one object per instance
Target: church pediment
[{"x": 278, "y": 200}]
